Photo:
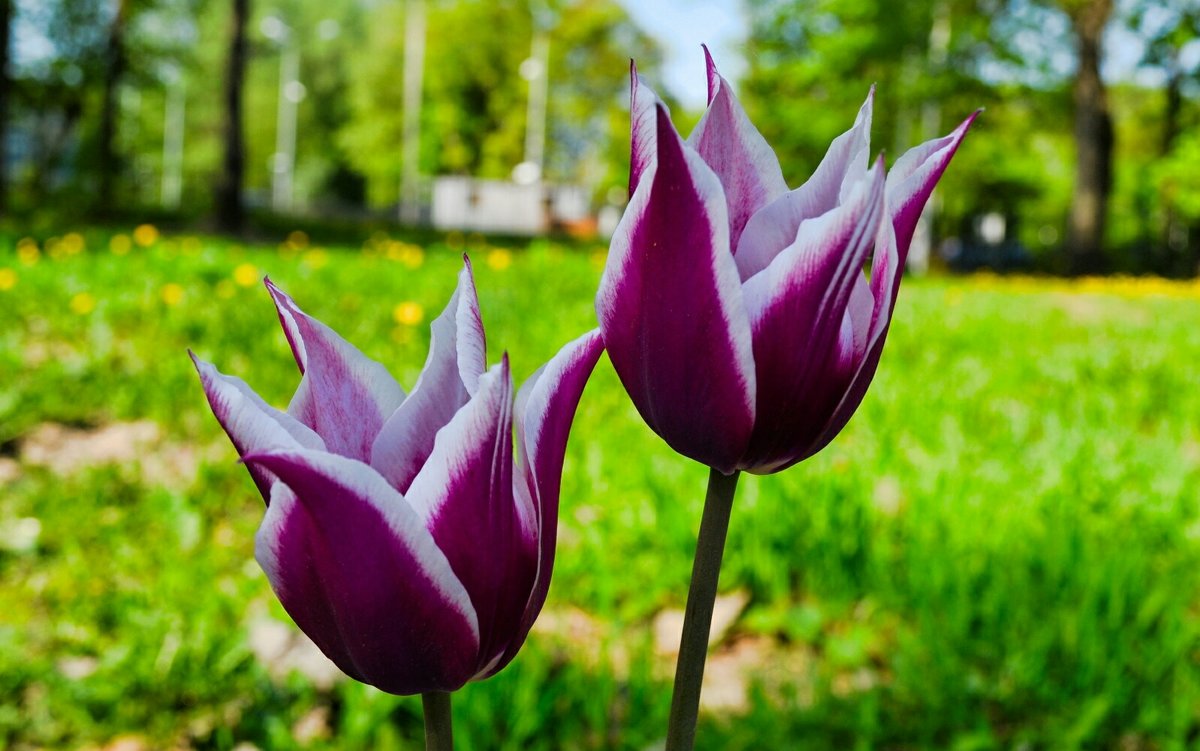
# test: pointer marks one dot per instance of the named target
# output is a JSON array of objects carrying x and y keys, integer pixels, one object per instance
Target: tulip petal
[
  {"x": 798, "y": 308},
  {"x": 909, "y": 185},
  {"x": 464, "y": 496},
  {"x": 545, "y": 408},
  {"x": 643, "y": 123},
  {"x": 451, "y": 375},
  {"x": 356, "y": 569},
  {"x": 670, "y": 308},
  {"x": 730, "y": 144},
  {"x": 913, "y": 179},
  {"x": 252, "y": 424},
  {"x": 773, "y": 228},
  {"x": 344, "y": 396}
]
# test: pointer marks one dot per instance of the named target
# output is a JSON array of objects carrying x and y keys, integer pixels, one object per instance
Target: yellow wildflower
[
  {"x": 315, "y": 258},
  {"x": 408, "y": 313},
  {"x": 172, "y": 293},
  {"x": 27, "y": 251},
  {"x": 145, "y": 235},
  {"x": 73, "y": 243},
  {"x": 499, "y": 259},
  {"x": 246, "y": 275},
  {"x": 8, "y": 279},
  {"x": 83, "y": 303},
  {"x": 120, "y": 244}
]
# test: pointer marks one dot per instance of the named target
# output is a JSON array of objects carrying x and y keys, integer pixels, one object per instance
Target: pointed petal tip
[
  {"x": 714, "y": 76},
  {"x": 277, "y": 294},
  {"x": 663, "y": 120},
  {"x": 970, "y": 120}
]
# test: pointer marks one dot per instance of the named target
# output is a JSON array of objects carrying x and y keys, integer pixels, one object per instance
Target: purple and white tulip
[
  {"x": 736, "y": 312},
  {"x": 401, "y": 533}
]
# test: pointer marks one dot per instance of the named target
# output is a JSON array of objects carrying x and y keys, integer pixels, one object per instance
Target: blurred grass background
[{"x": 1000, "y": 551}]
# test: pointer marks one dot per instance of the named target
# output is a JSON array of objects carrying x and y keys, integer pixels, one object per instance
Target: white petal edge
[{"x": 401, "y": 521}]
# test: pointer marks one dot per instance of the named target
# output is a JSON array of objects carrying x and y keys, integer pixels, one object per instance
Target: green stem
[
  {"x": 439, "y": 735},
  {"x": 697, "y": 619}
]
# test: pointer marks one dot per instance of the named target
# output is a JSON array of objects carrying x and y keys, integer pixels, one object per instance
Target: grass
[{"x": 1002, "y": 550}]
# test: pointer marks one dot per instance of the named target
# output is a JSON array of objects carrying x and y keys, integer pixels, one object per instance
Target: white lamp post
[
  {"x": 410, "y": 135},
  {"x": 173, "y": 122},
  {"x": 291, "y": 91}
]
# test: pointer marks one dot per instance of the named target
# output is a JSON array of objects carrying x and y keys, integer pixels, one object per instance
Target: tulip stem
[
  {"x": 697, "y": 619},
  {"x": 439, "y": 735}
]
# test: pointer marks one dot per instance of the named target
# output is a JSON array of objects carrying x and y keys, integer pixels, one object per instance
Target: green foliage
[
  {"x": 1000, "y": 551},
  {"x": 474, "y": 116}
]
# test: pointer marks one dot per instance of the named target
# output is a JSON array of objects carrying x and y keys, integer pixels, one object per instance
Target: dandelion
[
  {"x": 83, "y": 303},
  {"x": 499, "y": 259},
  {"x": 297, "y": 239},
  {"x": 408, "y": 313},
  {"x": 119, "y": 245},
  {"x": 27, "y": 251},
  {"x": 402, "y": 334},
  {"x": 246, "y": 275},
  {"x": 315, "y": 258},
  {"x": 172, "y": 293},
  {"x": 73, "y": 243},
  {"x": 145, "y": 235},
  {"x": 8, "y": 279},
  {"x": 412, "y": 256}
]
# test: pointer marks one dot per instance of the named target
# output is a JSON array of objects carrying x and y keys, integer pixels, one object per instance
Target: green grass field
[{"x": 1001, "y": 551}]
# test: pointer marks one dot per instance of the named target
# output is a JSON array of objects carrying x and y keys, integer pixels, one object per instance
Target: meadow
[{"x": 1002, "y": 550}]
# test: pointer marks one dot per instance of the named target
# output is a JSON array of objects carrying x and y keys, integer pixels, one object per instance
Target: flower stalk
[
  {"x": 697, "y": 619},
  {"x": 439, "y": 731}
]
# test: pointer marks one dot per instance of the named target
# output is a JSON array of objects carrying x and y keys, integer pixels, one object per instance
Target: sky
[{"x": 681, "y": 26}]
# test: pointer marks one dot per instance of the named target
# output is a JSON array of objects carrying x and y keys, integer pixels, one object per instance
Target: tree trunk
[
  {"x": 1093, "y": 142},
  {"x": 5, "y": 94},
  {"x": 1174, "y": 234},
  {"x": 230, "y": 213},
  {"x": 114, "y": 67}
]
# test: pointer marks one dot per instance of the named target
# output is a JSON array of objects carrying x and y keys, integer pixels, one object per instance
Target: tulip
[
  {"x": 401, "y": 534},
  {"x": 736, "y": 312}
]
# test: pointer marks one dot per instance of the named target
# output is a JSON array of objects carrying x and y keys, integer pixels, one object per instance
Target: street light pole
[
  {"x": 173, "y": 122},
  {"x": 410, "y": 147},
  {"x": 291, "y": 91},
  {"x": 536, "y": 70}
]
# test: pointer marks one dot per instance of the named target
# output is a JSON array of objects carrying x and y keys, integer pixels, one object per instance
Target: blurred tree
[
  {"x": 1093, "y": 130},
  {"x": 230, "y": 212},
  {"x": 115, "y": 63},
  {"x": 813, "y": 61},
  {"x": 52, "y": 84},
  {"x": 6, "y": 8},
  {"x": 474, "y": 115},
  {"x": 1167, "y": 30}
]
